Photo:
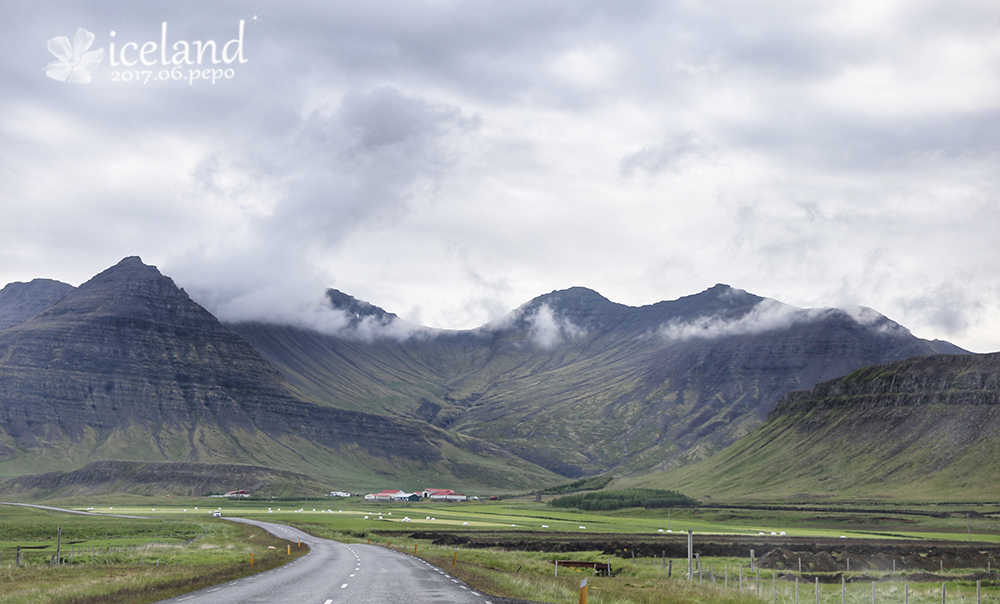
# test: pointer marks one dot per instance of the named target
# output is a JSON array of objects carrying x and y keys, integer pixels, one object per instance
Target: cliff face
[
  {"x": 927, "y": 380},
  {"x": 128, "y": 367}
]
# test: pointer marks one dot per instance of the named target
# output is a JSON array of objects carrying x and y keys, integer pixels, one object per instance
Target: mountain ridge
[
  {"x": 127, "y": 366},
  {"x": 650, "y": 386}
]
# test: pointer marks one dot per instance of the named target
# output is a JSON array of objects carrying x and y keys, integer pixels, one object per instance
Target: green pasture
[{"x": 356, "y": 516}]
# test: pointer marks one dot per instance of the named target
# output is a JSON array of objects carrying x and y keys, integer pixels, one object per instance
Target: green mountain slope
[
  {"x": 127, "y": 367},
  {"x": 923, "y": 429},
  {"x": 581, "y": 385}
]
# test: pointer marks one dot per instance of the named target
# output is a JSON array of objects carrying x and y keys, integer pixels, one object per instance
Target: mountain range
[{"x": 127, "y": 367}]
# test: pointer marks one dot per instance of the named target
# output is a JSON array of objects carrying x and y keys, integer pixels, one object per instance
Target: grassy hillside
[{"x": 924, "y": 429}]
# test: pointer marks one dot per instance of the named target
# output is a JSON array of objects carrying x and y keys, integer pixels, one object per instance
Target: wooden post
[
  {"x": 741, "y": 577},
  {"x": 670, "y": 568},
  {"x": 583, "y": 591},
  {"x": 817, "y": 590},
  {"x": 758, "y": 582},
  {"x": 557, "y": 568},
  {"x": 414, "y": 548},
  {"x": 906, "y": 593},
  {"x": 979, "y": 591},
  {"x": 727, "y": 576},
  {"x": 873, "y": 592},
  {"x": 251, "y": 561},
  {"x": 843, "y": 590},
  {"x": 796, "y": 590},
  {"x": 454, "y": 560},
  {"x": 944, "y": 598},
  {"x": 58, "y": 544}
]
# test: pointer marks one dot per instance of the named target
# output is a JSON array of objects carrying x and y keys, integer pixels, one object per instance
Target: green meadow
[{"x": 179, "y": 537}]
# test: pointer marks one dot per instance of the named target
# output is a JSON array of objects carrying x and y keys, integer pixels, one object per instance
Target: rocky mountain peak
[
  {"x": 21, "y": 301},
  {"x": 356, "y": 309},
  {"x": 130, "y": 289}
]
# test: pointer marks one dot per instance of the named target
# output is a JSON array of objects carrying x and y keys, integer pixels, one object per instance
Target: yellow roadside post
[
  {"x": 454, "y": 562},
  {"x": 583, "y": 591},
  {"x": 289, "y": 549},
  {"x": 414, "y": 548},
  {"x": 251, "y": 560}
]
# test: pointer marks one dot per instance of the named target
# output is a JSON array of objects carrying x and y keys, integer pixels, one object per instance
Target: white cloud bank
[{"x": 771, "y": 315}]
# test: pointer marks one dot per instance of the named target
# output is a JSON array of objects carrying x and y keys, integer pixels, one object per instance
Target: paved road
[{"x": 336, "y": 572}]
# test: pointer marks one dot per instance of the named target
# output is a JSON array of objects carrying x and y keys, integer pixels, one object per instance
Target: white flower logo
[{"x": 75, "y": 64}]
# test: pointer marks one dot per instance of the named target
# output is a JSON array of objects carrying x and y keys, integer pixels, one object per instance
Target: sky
[{"x": 449, "y": 160}]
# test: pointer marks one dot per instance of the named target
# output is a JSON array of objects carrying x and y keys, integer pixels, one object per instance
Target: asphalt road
[{"x": 336, "y": 572}]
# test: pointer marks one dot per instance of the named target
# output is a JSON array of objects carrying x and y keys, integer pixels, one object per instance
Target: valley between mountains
[{"x": 126, "y": 367}]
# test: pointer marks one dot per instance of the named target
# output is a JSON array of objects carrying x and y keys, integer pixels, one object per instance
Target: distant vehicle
[{"x": 217, "y": 514}]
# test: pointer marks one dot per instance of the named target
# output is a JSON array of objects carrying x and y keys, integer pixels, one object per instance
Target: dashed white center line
[
  {"x": 343, "y": 586},
  {"x": 328, "y": 602},
  {"x": 352, "y": 575}
]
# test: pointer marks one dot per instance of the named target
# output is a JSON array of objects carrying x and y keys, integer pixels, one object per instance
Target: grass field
[{"x": 189, "y": 541}]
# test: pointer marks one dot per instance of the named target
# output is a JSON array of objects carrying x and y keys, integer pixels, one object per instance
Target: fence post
[
  {"x": 670, "y": 568},
  {"x": 690, "y": 555},
  {"x": 817, "y": 590},
  {"x": 943, "y": 597},
  {"x": 557, "y": 568},
  {"x": 843, "y": 590},
  {"x": 796, "y": 590},
  {"x": 873, "y": 592},
  {"x": 454, "y": 561},
  {"x": 906, "y": 593},
  {"x": 583, "y": 591}
]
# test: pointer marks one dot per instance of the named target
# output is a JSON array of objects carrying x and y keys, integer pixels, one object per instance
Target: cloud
[
  {"x": 547, "y": 330},
  {"x": 672, "y": 154},
  {"x": 770, "y": 315}
]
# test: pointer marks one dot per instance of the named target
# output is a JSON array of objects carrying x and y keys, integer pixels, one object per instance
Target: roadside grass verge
[{"x": 101, "y": 573}]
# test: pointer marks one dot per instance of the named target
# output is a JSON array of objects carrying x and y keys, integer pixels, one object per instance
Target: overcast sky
[{"x": 449, "y": 161}]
